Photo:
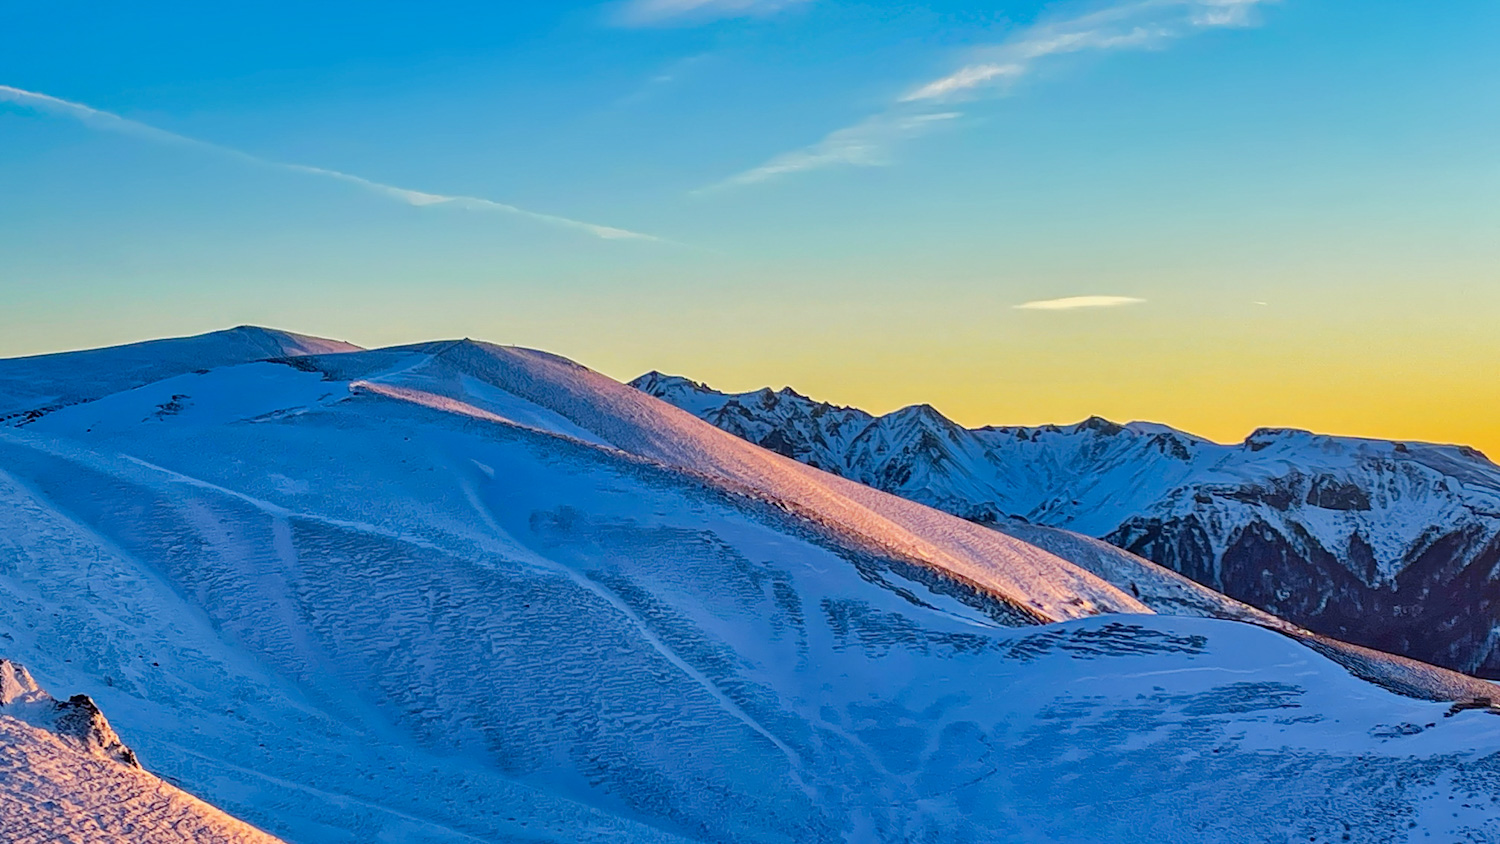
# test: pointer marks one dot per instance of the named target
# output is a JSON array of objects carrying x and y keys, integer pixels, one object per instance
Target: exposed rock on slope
[
  {"x": 76, "y": 719},
  {"x": 65, "y": 776}
]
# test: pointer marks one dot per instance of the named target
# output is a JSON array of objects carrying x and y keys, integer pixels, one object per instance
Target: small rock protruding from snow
[{"x": 76, "y": 719}]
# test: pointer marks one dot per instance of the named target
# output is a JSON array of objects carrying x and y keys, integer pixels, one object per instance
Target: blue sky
[{"x": 850, "y": 197}]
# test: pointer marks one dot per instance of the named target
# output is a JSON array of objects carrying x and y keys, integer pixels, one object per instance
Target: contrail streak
[{"x": 110, "y": 122}]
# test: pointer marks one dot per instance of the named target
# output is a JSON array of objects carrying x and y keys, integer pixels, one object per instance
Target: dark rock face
[
  {"x": 1332, "y": 494},
  {"x": 1441, "y": 608},
  {"x": 1182, "y": 541},
  {"x": 1278, "y": 495},
  {"x": 79, "y": 718}
]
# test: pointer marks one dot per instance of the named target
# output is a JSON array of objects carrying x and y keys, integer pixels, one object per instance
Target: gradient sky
[{"x": 1258, "y": 212}]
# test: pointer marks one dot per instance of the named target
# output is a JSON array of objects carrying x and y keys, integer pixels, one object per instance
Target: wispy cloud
[
  {"x": 865, "y": 144},
  {"x": 1137, "y": 25},
  {"x": 109, "y": 122},
  {"x": 673, "y": 74},
  {"x": 659, "y": 12},
  {"x": 1073, "y": 303},
  {"x": 994, "y": 70}
]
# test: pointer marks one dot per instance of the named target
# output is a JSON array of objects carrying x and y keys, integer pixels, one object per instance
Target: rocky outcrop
[{"x": 76, "y": 720}]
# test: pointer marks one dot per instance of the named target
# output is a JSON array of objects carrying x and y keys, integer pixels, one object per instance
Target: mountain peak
[
  {"x": 43, "y": 383},
  {"x": 656, "y": 380},
  {"x": 279, "y": 343},
  {"x": 919, "y": 411},
  {"x": 1100, "y": 425},
  {"x": 788, "y": 392}
]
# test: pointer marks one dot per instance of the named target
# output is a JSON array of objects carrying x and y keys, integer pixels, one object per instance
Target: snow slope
[
  {"x": 458, "y": 592},
  {"x": 1032, "y": 580},
  {"x": 1389, "y": 544},
  {"x": 64, "y": 776}
]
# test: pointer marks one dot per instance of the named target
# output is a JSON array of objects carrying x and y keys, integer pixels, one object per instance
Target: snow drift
[{"x": 65, "y": 776}]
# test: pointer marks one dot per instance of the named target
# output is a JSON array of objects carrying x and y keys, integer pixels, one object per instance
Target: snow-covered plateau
[
  {"x": 457, "y": 592},
  {"x": 1394, "y": 545}
]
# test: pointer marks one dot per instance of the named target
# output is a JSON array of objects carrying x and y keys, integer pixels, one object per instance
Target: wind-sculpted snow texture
[
  {"x": 64, "y": 776},
  {"x": 1391, "y": 545},
  {"x": 458, "y": 592}
]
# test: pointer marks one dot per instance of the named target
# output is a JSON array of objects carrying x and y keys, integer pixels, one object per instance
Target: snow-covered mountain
[
  {"x": 66, "y": 776},
  {"x": 32, "y": 386},
  {"x": 1391, "y": 545},
  {"x": 457, "y": 592}
]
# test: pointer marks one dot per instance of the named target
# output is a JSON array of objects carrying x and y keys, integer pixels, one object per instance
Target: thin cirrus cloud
[
  {"x": 1143, "y": 24},
  {"x": 667, "y": 12},
  {"x": 1074, "y": 303},
  {"x": 994, "y": 70},
  {"x": 110, "y": 122},
  {"x": 866, "y": 144}
]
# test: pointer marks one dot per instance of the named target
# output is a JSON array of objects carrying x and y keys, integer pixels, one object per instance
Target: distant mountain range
[
  {"x": 454, "y": 592},
  {"x": 1393, "y": 545}
]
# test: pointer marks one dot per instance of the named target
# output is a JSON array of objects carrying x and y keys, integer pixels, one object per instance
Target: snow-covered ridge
[
  {"x": 1025, "y": 576},
  {"x": 31, "y": 385},
  {"x": 1355, "y": 534}
]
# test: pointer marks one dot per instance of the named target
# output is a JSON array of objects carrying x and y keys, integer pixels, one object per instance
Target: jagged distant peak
[
  {"x": 1268, "y": 432},
  {"x": 1155, "y": 429},
  {"x": 920, "y": 411},
  {"x": 659, "y": 384},
  {"x": 1100, "y": 425},
  {"x": 917, "y": 420},
  {"x": 657, "y": 380}
]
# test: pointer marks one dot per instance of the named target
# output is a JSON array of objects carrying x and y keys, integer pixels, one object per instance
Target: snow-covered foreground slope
[
  {"x": 458, "y": 592},
  {"x": 65, "y": 776},
  {"x": 1392, "y": 545}
]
